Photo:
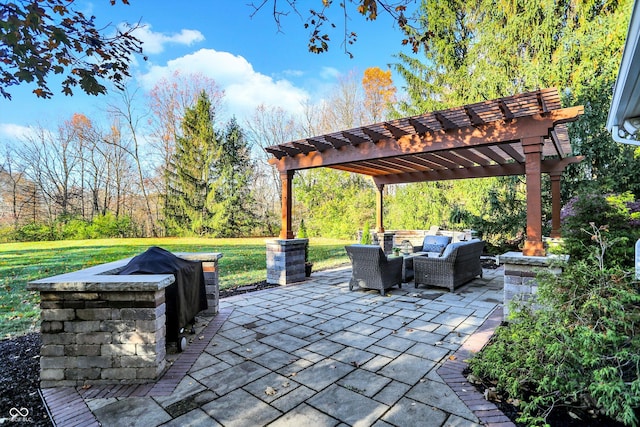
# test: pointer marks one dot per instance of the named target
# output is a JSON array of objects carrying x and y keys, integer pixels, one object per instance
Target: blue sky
[{"x": 246, "y": 56}]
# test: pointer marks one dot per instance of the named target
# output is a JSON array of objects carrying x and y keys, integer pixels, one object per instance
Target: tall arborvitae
[{"x": 191, "y": 173}]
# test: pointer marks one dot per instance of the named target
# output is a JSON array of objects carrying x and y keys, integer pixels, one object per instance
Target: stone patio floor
[{"x": 316, "y": 354}]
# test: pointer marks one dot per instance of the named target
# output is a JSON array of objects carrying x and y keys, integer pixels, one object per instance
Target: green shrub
[
  {"x": 302, "y": 230},
  {"x": 35, "y": 232},
  {"x": 108, "y": 225},
  {"x": 366, "y": 234},
  {"x": 75, "y": 229},
  {"x": 581, "y": 348},
  {"x": 609, "y": 210},
  {"x": 302, "y": 234},
  {"x": 7, "y": 234}
]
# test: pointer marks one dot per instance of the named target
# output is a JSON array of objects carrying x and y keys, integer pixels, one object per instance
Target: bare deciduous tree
[
  {"x": 18, "y": 195},
  {"x": 269, "y": 126},
  {"x": 51, "y": 161},
  {"x": 126, "y": 112}
]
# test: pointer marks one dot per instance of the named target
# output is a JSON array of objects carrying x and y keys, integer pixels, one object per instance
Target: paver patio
[{"x": 316, "y": 354}]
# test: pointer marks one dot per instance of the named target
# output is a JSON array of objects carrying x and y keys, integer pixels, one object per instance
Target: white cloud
[
  {"x": 245, "y": 88},
  {"x": 292, "y": 73},
  {"x": 154, "y": 43},
  {"x": 329, "y": 73},
  {"x": 13, "y": 132}
]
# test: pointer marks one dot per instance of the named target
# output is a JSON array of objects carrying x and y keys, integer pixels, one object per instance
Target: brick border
[
  {"x": 451, "y": 372},
  {"x": 68, "y": 408}
]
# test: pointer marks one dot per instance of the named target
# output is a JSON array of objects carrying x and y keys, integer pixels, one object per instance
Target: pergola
[{"x": 524, "y": 134}]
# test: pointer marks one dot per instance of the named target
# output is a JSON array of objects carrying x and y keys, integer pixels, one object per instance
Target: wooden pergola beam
[
  {"x": 467, "y": 137},
  {"x": 509, "y": 169}
]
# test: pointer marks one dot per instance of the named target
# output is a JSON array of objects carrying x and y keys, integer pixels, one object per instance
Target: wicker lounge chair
[
  {"x": 372, "y": 269},
  {"x": 459, "y": 263}
]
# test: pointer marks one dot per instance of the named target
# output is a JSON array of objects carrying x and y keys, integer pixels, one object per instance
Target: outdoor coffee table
[{"x": 407, "y": 263}]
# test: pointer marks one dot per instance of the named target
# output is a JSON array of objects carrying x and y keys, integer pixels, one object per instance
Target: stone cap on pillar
[
  {"x": 287, "y": 242},
  {"x": 521, "y": 259}
]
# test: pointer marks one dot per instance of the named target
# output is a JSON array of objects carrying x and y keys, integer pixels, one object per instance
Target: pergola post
[
  {"x": 380, "y": 208},
  {"x": 286, "y": 256},
  {"x": 385, "y": 238},
  {"x": 286, "y": 177},
  {"x": 555, "y": 204},
  {"x": 532, "y": 148}
]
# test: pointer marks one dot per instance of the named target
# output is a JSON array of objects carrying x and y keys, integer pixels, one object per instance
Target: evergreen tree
[
  {"x": 191, "y": 174},
  {"x": 486, "y": 49},
  {"x": 231, "y": 200}
]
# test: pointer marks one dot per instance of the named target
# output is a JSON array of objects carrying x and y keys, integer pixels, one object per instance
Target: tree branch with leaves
[
  {"x": 319, "y": 18},
  {"x": 41, "y": 38}
]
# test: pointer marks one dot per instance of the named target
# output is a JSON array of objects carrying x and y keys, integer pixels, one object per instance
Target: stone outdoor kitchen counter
[{"x": 99, "y": 327}]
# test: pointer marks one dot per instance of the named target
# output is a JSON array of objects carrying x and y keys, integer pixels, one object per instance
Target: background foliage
[
  {"x": 615, "y": 212},
  {"x": 474, "y": 51}
]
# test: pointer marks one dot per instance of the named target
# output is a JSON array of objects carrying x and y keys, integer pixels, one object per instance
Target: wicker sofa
[
  {"x": 458, "y": 264},
  {"x": 433, "y": 243},
  {"x": 372, "y": 269}
]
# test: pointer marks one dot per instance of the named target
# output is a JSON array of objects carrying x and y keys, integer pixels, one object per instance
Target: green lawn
[{"x": 243, "y": 262}]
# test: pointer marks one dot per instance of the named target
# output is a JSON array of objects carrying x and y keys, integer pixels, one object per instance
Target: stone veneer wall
[
  {"x": 212, "y": 286},
  {"x": 102, "y": 328},
  {"x": 520, "y": 275},
  {"x": 285, "y": 261},
  {"x": 102, "y": 337}
]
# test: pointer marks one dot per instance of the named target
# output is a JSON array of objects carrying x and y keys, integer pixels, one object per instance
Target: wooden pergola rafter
[{"x": 524, "y": 134}]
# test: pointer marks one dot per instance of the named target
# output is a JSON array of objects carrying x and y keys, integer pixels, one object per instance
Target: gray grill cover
[{"x": 185, "y": 297}]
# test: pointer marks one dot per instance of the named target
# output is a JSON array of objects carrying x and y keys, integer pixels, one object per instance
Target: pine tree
[
  {"x": 231, "y": 200},
  {"x": 191, "y": 174},
  {"x": 486, "y": 50}
]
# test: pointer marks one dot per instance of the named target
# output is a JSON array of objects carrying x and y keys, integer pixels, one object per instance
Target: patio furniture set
[{"x": 438, "y": 262}]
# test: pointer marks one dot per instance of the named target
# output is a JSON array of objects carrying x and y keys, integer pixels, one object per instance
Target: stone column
[
  {"x": 520, "y": 275},
  {"x": 285, "y": 261},
  {"x": 386, "y": 241}
]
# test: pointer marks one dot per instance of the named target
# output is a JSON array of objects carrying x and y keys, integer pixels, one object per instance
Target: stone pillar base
[
  {"x": 520, "y": 275},
  {"x": 102, "y": 337},
  {"x": 386, "y": 241},
  {"x": 212, "y": 286},
  {"x": 285, "y": 261}
]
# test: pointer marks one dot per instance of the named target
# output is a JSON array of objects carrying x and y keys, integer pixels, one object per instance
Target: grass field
[{"x": 243, "y": 262}]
